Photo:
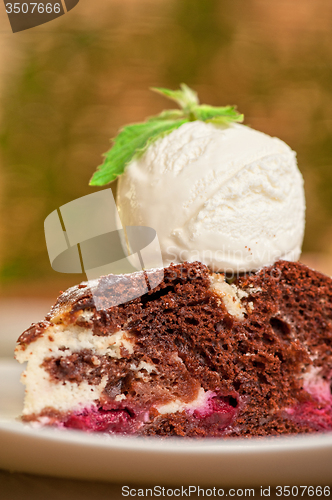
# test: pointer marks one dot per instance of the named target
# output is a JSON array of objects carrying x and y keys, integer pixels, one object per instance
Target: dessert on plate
[{"x": 236, "y": 340}]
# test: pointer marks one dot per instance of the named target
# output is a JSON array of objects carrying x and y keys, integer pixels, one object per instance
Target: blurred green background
[{"x": 67, "y": 86}]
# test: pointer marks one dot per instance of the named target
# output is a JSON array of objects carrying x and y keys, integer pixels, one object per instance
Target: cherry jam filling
[
  {"x": 314, "y": 414},
  {"x": 112, "y": 421},
  {"x": 219, "y": 412},
  {"x": 115, "y": 418}
]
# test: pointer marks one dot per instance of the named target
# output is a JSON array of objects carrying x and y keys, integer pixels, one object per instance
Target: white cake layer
[
  {"x": 316, "y": 385},
  {"x": 230, "y": 295},
  {"x": 74, "y": 339},
  {"x": 41, "y": 391},
  {"x": 178, "y": 405}
]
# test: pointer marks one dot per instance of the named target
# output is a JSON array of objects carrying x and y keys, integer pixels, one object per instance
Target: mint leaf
[
  {"x": 186, "y": 98},
  {"x": 131, "y": 140},
  {"x": 222, "y": 115},
  {"x": 134, "y": 139},
  {"x": 169, "y": 114}
]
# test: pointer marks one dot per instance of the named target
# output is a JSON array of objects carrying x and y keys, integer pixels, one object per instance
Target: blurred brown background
[{"x": 67, "y": 86}]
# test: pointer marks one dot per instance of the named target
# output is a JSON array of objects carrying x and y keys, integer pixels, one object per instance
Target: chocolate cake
[{"x": 196, "y": 356}]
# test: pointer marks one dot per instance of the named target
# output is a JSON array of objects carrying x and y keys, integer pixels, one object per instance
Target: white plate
[{"x": 305, "y": 460}]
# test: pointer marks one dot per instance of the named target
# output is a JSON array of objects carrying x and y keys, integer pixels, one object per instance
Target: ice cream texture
[{"x": 230, "y": 197}]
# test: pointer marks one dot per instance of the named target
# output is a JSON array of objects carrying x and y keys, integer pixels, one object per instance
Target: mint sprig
[{"x": 133, "y": 140}]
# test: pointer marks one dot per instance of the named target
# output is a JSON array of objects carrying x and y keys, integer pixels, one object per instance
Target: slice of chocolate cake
[{"x": 196, "y": 356}]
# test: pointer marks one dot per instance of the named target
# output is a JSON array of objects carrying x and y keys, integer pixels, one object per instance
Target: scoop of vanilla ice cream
[{"x": 229, "y": 197}]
